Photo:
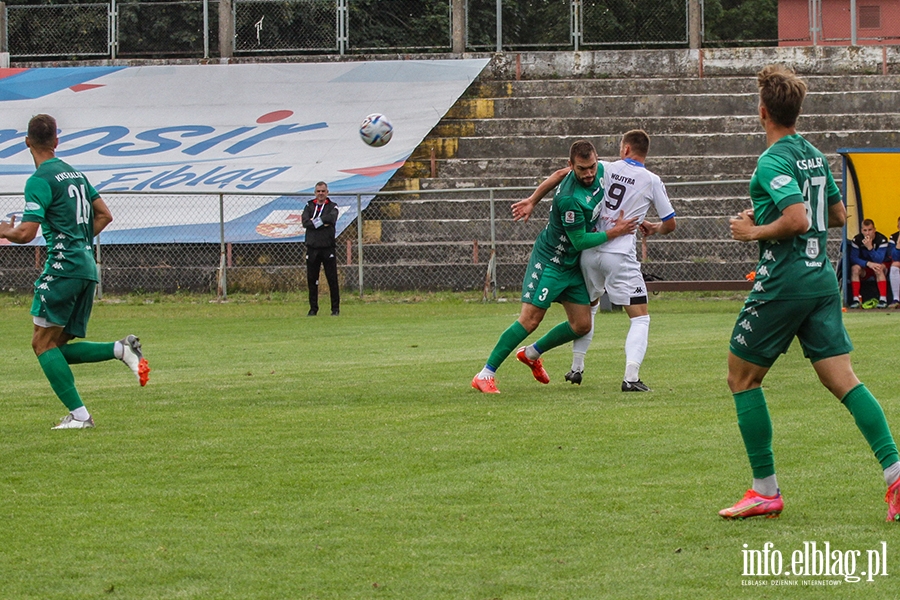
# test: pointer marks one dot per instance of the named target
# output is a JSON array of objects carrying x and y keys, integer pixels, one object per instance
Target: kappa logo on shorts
[
  {"x": 637, "y": 291},
  {"x": 739, "y": 338},
  {"x": 763, "y": 271},
  {"x": 746, "y": 325}
]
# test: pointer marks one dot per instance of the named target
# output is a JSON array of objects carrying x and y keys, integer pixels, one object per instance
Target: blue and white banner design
[{"x": 233, "y": 129}]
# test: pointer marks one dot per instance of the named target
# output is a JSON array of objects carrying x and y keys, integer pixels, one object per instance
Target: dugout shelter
[{"x": 871, "y": 187}]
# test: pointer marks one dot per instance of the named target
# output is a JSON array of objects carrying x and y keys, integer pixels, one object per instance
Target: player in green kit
[
  {"x": 795, "y": 293},
  {"x": 70, "y": 212},
  {"x": 553, "y": 273}
]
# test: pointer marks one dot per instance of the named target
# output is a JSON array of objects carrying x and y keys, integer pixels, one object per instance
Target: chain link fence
[
  {"x": 168, "y": 28},
  {"x": 183, "y": 28},
  {"x": 285, "y": 26},
  {"x": 445, "y": 240},
  {"x": 629, "y": 23},
  {"x": 875, "y": 23},
  {"x": 47, "y": 30}
]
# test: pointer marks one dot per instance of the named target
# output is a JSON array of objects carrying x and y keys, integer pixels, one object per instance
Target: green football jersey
[
  {"x": 60, "y": 199},
  {"x": 572, "y": 209},
  {"x": 791, "y": 171}
]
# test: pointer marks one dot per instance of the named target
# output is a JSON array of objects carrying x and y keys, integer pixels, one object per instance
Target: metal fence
[
  {"x": 178, "y": 28},
  {"x": 435, "y": 240}
]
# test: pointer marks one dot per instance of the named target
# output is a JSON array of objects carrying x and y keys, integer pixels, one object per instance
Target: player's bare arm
[
  {"x": 837, "y": 215},
  {"x": 102, "y": 215},
  {"x": 792, "y": 222},
  {"x": 21, "y": 234},
  {"x": 649, "y": 228},
  {"x": 522, "y": 209}
]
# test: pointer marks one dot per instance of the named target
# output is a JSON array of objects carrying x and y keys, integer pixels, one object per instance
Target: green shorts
[
  {"x": 765, "y": 329},
  {"x": 64, "y": 302},
  {"x": 545, "y": 284}
]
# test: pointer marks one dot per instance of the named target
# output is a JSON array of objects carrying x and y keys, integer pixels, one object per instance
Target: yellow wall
[{"x": 878, "y": 196}]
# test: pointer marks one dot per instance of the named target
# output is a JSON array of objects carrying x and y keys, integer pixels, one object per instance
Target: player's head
[
  {"x": 42, "y": 133},
  {"x": 868, "y": 227},
  {"x": 781, "y": 94},
  {"x": 635, "y": 144},
  {"x": 321, "y": 191},
  {"x": 583, "y": 161}
]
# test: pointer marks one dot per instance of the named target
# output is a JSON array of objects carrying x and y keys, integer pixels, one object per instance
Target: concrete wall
[{"x": 707, "y": 62}]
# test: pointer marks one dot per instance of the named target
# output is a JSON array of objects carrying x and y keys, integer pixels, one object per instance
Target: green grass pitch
[{"x": 278, "y": 456}]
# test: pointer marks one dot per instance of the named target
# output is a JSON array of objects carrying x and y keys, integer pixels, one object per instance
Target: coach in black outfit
[{"x": 319, "y": 218}]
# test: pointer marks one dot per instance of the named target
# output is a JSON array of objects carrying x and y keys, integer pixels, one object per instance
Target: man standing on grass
[
  {"x": 614, "y": 267},
  {"x": 553, "y": 274},
  {"x": 795, "y": 201},
  {"x": 62, "y": 202},
  {"x": 319, "y": 218}
]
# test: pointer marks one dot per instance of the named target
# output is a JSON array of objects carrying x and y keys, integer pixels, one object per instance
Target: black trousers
[{"x": 316, "y": 258}]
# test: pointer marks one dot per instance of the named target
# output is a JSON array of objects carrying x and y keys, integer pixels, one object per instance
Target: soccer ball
[{"x": 376, "y": 130}]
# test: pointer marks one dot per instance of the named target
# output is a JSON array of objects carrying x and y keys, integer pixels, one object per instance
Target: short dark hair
[
  {"x": 869, "y": 222},
  {"x": 638, "y": 140},
  {"x": 782, "y": 93},
  {"x": 581, "y": 149},
  {"x": 42, "y": 131}
]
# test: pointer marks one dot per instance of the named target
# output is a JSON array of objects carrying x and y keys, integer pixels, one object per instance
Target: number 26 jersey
[{"x": 60, "y": 198}]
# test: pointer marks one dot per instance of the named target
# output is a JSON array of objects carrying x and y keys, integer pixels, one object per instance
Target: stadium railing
[{"x": 453, "y": 239}]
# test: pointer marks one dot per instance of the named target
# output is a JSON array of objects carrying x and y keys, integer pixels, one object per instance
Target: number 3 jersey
[
  {"x": 791, "y": 171},
  {"x": 59, "y": 198},
  {"x": 631, "y": 189}
]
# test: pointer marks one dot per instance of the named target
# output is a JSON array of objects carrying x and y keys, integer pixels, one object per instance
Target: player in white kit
[{"x": 628, "y": 187}]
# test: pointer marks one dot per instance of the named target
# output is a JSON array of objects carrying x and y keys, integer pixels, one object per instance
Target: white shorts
[{"x": 619, "y": 274}]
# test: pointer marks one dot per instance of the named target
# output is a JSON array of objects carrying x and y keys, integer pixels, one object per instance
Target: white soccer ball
[{"x": 376, "y": 130}]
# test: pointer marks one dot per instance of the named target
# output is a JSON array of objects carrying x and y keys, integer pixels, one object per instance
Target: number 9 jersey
[
  {"x": 631, "y": 189},
  {"x": 60, "y": 199},
  {"x": 791, "y": 171}
]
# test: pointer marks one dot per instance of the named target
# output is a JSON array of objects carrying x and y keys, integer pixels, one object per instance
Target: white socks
[
  {"x": 767, "y": 486},
  {"x": 81, "y": 414},
  {"x": 895, "y": 282},
  {"x": 892, "y": 473},
  {"x": 636, "y": 346},
  {"x": 580, "y": 345}
]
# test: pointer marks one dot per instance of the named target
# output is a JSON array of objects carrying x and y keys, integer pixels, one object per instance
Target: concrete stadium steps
[
  {"x": 667, "y": 85},
  {"x": 662, "y": 105},
  {"x": 471, "y": 172},
  {"x": 614, "y": 126},
  {"x": 682, "y": 144},
  {"x": 473, "y": 209},
  {"x": 512, "y": 134}
]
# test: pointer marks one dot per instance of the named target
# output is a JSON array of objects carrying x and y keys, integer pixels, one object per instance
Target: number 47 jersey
[
  {"x": 60, "y": 199},
  {"x": 631, "y": 189}
]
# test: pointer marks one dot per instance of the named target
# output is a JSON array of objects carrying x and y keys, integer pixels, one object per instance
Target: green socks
[
  {"x": 559, "y": 335},
  {"x": 60, "y": 377},
  {"x": 509, "y": 340},
  {"x": 870, "y": 419},
  {"x": 88, "y": 352},
  {"x": 756, "y": 430}
]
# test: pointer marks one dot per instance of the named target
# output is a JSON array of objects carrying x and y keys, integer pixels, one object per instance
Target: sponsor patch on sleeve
[
  {"x": 780, "y": 181},
  {"x": 569, "y": 216}
]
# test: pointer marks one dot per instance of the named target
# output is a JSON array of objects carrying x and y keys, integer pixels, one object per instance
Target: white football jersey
[{"x": 629, "y": 188}]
